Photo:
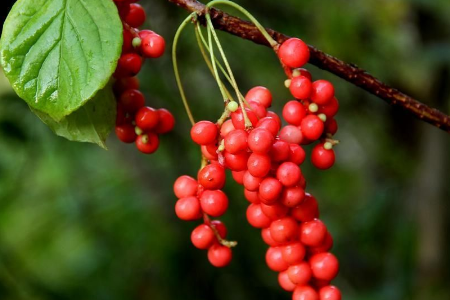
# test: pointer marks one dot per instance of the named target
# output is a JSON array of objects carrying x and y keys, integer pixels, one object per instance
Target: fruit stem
[
  {"x": 175, "y": 66},
  {"x": 226, "y": 243}
]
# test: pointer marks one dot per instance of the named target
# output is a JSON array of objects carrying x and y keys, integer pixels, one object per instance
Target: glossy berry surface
[
  {"x": 153, "y": 45},
  {"x": 204, "y": 132},
  {"x": 294, "y": 53},
  {"x": 219, "y": 256}
]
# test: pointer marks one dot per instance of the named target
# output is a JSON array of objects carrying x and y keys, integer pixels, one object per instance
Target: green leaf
[
  {"x": 58, "y": 53},
  {"x": 90, "y": 123}
]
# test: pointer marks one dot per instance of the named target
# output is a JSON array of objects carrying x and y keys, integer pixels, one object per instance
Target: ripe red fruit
[
  {"x": 226, "y": 128},
  {"x": 126, "y": 133},
  {"x": 128, "y": 65},
  {"x": 237, "y": 118},
  {"x": 261, "y": 95},
  {"x": 284, "y": 230},
  {"x": 214, "y": 203},
  {"x": 153, "y": 45},
  {"x": 209, "y": 151},
  {"x": 330, "y": 109},
  {"x": 273, "y": 115},
  {"x": 293, "y": 253},
  {"x": 220, "y": 228},
  {"x": 127, "y": 41},
  {"x": 292, "y": 134},
  {"x": 292, "y": 196},
  {"x": 212, "y": 177},
  {"x": 219, "y": 256},
  {"x": 185, "y": 186},
  {"x": 326, "y": 245},
  {"x": 313, "y": 233},
  {"x": 305, "y": 293},
  {"x": 238, "y": 176},
  {"x": 330, "y": 292},
  {"x": 202, "y": 236},
  {"x": 322, "y": 158},
  {"x": 146, "y": 118},
  {"x": 259, "y": 164},
  {"x": 252, "y": 196},
  {"x": 280, "y": 151},
  {"x": 147, "y": 143},
  {"x": 236, "y": 162},
  {"x": 322, "y": 92},
  {"x": 260, "y": 140},
  {"x": 188, "y": 209},
  {"x": 236, "y": 141},
  {"x": 258, "y": 109},
  {"x": 251, "y": 182},
  {"x": 166, "y": 121},
  {"x": 324, "y": 266},
  {"x": 301, "y": 87},
  {"x": 297, "y": 154},
  {"x": 294, "y": 53},
  {"x": 270, "y": 190},
  {"x": 256, "y": 217},
  {"x": 307, "y": 210},
  {"x": 132, "y": 100},
  {"x": 123, "y": 84},
  {"x": 267, "y": 238},
  {"x": 300, "y": 273},
  {"x": 312, "y": 127},
  {"x": 288, "y": 174},
  {"x": 136, "y": 15},
  {"x": 274, "y": 260},
  {"x": 306, "y": 73},
  {"x": 145, "y": 32},
  {"x": 274, "y": 211},
  {"x": 294, "y": 112},
  {"x": 285, "y": 283},
  {"x": 269, "y": 124},
  {"x": 331, "y": 126},
  {"x": 204, "y": 132}
]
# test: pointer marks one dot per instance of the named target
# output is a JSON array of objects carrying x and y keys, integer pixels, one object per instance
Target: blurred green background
[{"x": 78, "y": 222}]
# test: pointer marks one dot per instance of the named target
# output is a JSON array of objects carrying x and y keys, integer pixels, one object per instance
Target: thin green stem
[
  {"x": 216, "y": 73},
  {"x": 210, "y": 27},
  {"x": 175, "y": 66},
  {"x": 258, "y": 25}
]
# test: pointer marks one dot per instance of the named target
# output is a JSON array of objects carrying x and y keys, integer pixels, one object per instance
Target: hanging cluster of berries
[
  {"x": 265, "y": 157},
  {"x": 135, "y": 122}
]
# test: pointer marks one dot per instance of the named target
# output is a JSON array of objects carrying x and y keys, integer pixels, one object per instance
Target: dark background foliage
[{"x": 78, "y": 222}]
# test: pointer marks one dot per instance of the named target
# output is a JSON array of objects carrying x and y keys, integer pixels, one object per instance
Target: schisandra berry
[
  {"x": 305, "y": 292},
  {"x": 294, "y": 53},
  {"x": 292, "y": 134},
  {"x": 288, "y": 174},
  {"x": 275, "y": 261},
  {"x": 330, "y": 109},
  {"x": 285, "y": 283},
  {"x": 236, "y": 141},
  {"x": 126, "y": 133},
  {"x": 284, "y": 230},
  {"x": 219, "y": 256},
  {"x": 236, "y": 162},
  {"x": 256, "y": 217},
  {"x": 147, "y": 118},
  {"x": 300, "y": 273},
  {"x": 136, "y": 15},
  {"x": 212, "y": 177},
  {"x": 258, "y": 109},
  {"x": 322, "y": 92},
  {"x": 214, "y": 203},
  {"x": 308, "y": 209},
  {"x": 270, "y": 190},
  {"x": 132, "y": 100},
  {"x": 280, "y": 151},
  {"x": 301, "y": 87},
  {"x": 274, "y": 211},
  {"x": 204, "y": 132},
  {"x": 261, "y": 95},
  {"x": 324, "y": 266},
  {"x": 185, "y": 186},
  {"x": 292, "y": 196},
  {"x": 269, "y": 124},
  {"x": 153, "y": 45},
  {"x": 188, "y": 209},
  {"x": 313, "y": 233},
  {"x": 259, "y": 164},
  {"x": 293, "y": 253},
  {"x": 322, "y": 158},
  {"x": 220, "y": 227},
  {"x": 312, "y": 127},
  {"x": 128, "y": 65},
  {"x": 260, "y": 140},
  {"x": 147, "y": 143},
  {"x": 238, "y": 118},
  {"x": 294, "y": 112},
  {"x": 166, "y": 121},
  {"x": 202, "y": 236},
  {"x": 329, "y": 292}
]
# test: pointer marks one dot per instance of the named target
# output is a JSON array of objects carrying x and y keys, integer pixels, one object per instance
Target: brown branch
[{"x": 349, "y": 72}]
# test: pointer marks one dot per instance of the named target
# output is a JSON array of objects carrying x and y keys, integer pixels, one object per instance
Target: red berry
[
  {"x": 256, "y": 217},
  {"x": 274, "y": 259},
  {"x": 136, "y": 16},
  {"x": 145, "y": 32},
  {"x": 300, "y": 273},
  {"x": 261, "y": 95},
  {"x": 220, "y": 228},
  {"x": 294, "y": 53},
  {"x": 270, "y": 190},
  {"x": 166, "y": 121},
  {"x": 236, "y": 141},
  {"x": 237, "y": 118},
  {"x": 147, "y": 118},
  {"x": 292, "y": 134},
  {"x": 267, "y": 238},
  {"x": 273, "y": 115},
  {"x": 322, "y": 158},
  {"x": 127, "y": 41},
  {"x": 185, "y": 186},
  {"x": 305, "y": 293},
  {"x": 313, "y": 233},
  {"x": 147, "y": 143},
  {"x": 252, "y": 196},
  {"x": 260, "y": 140},
  {"x": 326, "y": 245},
  {"x": 307, "y": 210},
  {"x": 280, "y": 151},
  {"x": 322, "y": 92},
  {"x": 331, "y": 126},
  {"x": 292, "y": 196},
  {"x": 238, "y": 176},
  {"x": 312, "y": 127},
  {"x": 188, "y": 209},
  {"x": 226, "y": 128},
  {"x": 306, "y": 73},
  {"x": 132, "y": 100},
  {"x": 236, "y": 162},
  {"x": 284, "y": 230},
  {"x": 288, "y": 174},
  {"x": 330, "y": 109},
  {"x": 297, "y": 154},
  {"x": 259, "y": 164},
  {"x": 324, "y": 266},
  {"x": 330, "y": 292},
  {"x": 269, "y": 124},
  {"x": 128, "y": 65},
  {"x": 219, "y": 256},
  {"x": 153, "y": 45},
  {"x": 204, "y": 132},
  {"x": 258, "y": 109},
  {"x": 294, "y": 112},
  {"x": 214, "y": 203},
  {"x": 301, "y": 87},
  {"x": 212, "y": 177},
  {"x": 126, "y": 133},
  {"x": 285, "y": 283},
  {"x": 127, "y": 83},
  {"x": 251, "y": 182},
  {"x": 202, "y": 236},
  {"x": 274, "y": 211},
  {"x": 293, "y": 253}
]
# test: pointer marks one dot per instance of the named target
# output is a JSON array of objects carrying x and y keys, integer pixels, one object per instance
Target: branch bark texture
[{"x": 349, "y": 72}]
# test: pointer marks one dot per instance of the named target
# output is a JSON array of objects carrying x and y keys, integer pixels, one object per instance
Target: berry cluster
[
  {"x": 265, "y": 157},
  {"x": 135, "y": 122}
]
